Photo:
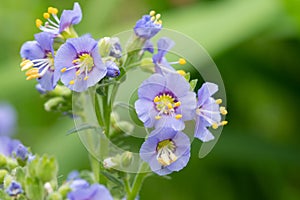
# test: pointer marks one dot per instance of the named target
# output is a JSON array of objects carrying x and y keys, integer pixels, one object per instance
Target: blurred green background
[{"x": 255, "y": 44}]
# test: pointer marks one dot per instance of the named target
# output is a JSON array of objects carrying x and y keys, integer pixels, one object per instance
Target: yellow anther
[
  {"x": 63, "y": 70},
  {"x": 78, "y": 72},
  {"x": 153, "y": 18},
  {"x": 170, "y": 106},
  {"x": 156, "y": 99},
  {"x": 177, "y": 104},
  {"x": 223, "y": 110},
  {"x": 152, "y": 13},
  {"x": 86, "y": 78},
  {"x": 38, "y": 23},
  {"x": 179, "y": 116},
  {"x": 182, "y": 61},
  {"x": 215, "y": 126},
  {"x": 33, "y": 71},
  {"x": 26, "y": 64},
  {"x": 157, "y": 117},
  {"x": 223, "y": 123},
  {"x": 72, "y": 82},
  {"x": 159, "y": 22},
  {"x": 32, "y": 77},
  {"x": 52, "y": 10},
  {"x": 157, "y": 16},
  {"x": 46, "y": 15},
  {"x": 219, "y": 101},
  {"x": 181, "y": 72},
  {"x": 75, "y": 61}
]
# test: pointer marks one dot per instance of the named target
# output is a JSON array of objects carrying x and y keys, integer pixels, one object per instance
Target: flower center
[
  {"x": 166, "y": 104},
  {"x": 83, "y": 65},
  {"x": 165, "y": 152}
]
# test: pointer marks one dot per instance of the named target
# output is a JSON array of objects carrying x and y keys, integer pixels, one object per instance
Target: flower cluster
[
  {"x": 62, "y": 61},
  {"x": 166, "y": 101}
]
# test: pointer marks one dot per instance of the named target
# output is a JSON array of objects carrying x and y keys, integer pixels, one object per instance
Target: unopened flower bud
[
  {"x": 53, "y": 103},
  {"x": 112, "y": 69},
  {"x": 110, "y": 162},
  {"x": 125, "y": 126},
  {"x": 126, "y": 158}
]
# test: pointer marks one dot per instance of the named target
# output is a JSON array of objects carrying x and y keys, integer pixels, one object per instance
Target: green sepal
[
  {"x": 187, "y": 76},
  {"x": 55, "y": 196},
  {"x": 34, "y": 188},
  {"x": 193, "y": 84}
]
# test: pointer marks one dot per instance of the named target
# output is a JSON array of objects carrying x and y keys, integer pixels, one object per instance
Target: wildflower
[
  {"x": 79, "y": 63},
  {"x": 167, "y": 150},
  {"x": 38, "y": 60},
  {"x": 208, "y": 112},
  {"x": 165, "y": 101},
  {"x": 21, "y": 152},
  {"x": 14, "y": 189},
  {"x": 162, "y": 66},
  {"x": 112, "y": 69},
  {"x": 7, "y": 119},
  {"x": 55, "y": 25},
  {"x": 93, "y": 192},
  {"x": 148, "y": 25}
]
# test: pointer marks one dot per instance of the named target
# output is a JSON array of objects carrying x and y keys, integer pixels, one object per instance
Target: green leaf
[
  {"x": 34, "y": 188},
  {"x": 112, "y": 178}
]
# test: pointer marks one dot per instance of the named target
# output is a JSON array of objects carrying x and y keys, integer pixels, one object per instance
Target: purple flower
[
  {"x": 56, "y": 25},
  {"x": 165, "y": 101},
  {"x": 7, "y": 119},
  {"x": 166, "y": 151},
  {"x": 93, "y": 192},
  {"x": 22, "y": 152},
  {"x": 14, "y": 189},
  {"x": 208, "y": 112},
  {"x": 79, "y": 63},
  {"x": 8, "y": 145},
  {"x": 112, "y": 69},
  {"x": 148, "y": 46},
  {"x": 148, "y": 26},
  {"x": 39, "y": 60}
]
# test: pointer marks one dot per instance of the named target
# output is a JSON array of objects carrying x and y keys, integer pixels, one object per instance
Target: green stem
[
  {"x": 95, "y": 165},
  {"x": 127, "y": 185},
  {"x": 137, "y": 183}
]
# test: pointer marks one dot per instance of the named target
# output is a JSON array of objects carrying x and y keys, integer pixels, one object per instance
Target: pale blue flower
[
  {"x": 166, "y": 150},
  {"x": 165, "y": 101},
  {"x": 208, "y": 112},
  {"x": 79, "y": 63},
  {"x": 7, "y": 119},
  {"x": 148, "y": 26}
]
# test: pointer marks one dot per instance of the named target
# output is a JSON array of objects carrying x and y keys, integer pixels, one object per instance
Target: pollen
[
  {"x": 156, "y": 99},
  {"x": 32, "y": 77},
  {"x": 223, "y": 110},
  {"x": 177, "y": 104},
  {"x": 78, "y": 72},
  {"x": 86, "y": 78},
  {"x": 219, "y": 101},
  {"x": 63, "y": 70},
  {"x": 223, "y": 123},
  {"x": 152, "y": 13},
  {"x": 182, "y": 61},
  {"x": 46, "y": 15},
  {"x": 157, "y": 16},
  {"x": 170, "y": 106},
  {"x": 26, "y": 64},
  {"x": 181, "y": 72},
  {"x": 72, "y": 82},
  {"x": 38, "y": 23},
  {"x": 179, "y": 116},
  {"x": 52, "y": 10},
  {"x": 215, "y": 126},
  {"x": 157, "y": 117},
  {"x": 33, "y": 71}
]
